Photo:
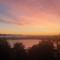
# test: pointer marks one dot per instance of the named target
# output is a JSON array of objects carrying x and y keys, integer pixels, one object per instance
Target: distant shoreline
[{"x": 38, "y": 37}]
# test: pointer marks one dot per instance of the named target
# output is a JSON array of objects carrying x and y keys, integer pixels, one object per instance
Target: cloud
[
  {"x": 31, "y": 15},
  {"x": 23, "y": 12}
]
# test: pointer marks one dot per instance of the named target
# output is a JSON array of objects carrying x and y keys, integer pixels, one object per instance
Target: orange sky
[{"x": 32, "y": 17}]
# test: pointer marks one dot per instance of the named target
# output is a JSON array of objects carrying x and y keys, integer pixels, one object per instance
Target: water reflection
[{"x": 26, "y": 43}]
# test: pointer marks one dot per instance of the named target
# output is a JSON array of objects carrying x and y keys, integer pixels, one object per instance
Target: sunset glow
[{"x": 30, "y": 17}]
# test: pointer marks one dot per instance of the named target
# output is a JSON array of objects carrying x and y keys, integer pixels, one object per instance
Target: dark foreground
[{"x": 42, "y": 51}]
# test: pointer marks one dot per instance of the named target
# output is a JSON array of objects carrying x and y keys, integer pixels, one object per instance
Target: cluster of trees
[{"x": 41, "y": 51}]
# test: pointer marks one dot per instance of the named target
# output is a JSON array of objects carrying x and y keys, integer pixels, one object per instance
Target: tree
[
  {"x": 20, "y": 53},
  {"x": 42, "y": 51},
  {"x": 4, "y": 50}
]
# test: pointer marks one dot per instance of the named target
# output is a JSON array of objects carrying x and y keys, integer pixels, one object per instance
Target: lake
[{"x": 27, "y": 43}]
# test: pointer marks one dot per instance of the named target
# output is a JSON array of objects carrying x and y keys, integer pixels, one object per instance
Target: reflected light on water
[{"x": 26, "y": 43}]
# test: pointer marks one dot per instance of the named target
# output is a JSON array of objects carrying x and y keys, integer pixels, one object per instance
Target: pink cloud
[{"x": 32, "y": 11}]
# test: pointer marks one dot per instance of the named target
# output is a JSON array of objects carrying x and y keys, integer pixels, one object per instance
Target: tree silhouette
[
  {"x": 20, "y": 53},
  {"x": 42, "y": 51},
  {"x": 4, "y": 50}
]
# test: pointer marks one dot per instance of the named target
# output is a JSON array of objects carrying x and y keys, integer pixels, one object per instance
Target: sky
[{"x": 30, "y": 17}]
